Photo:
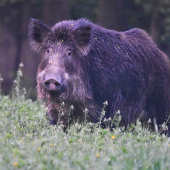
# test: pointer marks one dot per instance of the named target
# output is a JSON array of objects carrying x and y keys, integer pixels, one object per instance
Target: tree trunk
[
  {"x": 18, "y": 36},
  {"x": 154, "y": 25},
  {"x": 111, "y": 14},
  {"x": 55, "y": 11}
]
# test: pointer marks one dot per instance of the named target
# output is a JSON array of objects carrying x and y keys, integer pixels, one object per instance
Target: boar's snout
[{"x": 52, "y": 84}]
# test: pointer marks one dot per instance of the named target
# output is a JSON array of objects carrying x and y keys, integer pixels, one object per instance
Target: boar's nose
[{"x": 52, "y": 84}]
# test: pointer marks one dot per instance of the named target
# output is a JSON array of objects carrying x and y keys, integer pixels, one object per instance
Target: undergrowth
[{"x": 27, "y": 141}]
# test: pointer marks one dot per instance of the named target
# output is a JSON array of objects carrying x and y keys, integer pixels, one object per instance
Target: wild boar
[{"x": 85, "y": 65}]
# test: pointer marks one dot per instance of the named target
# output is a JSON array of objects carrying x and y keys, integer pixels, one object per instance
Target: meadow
[{"x": 27, "y": 141}]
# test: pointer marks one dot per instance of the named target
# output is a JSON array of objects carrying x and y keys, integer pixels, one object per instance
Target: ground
[{"x": 27, "y": 141}]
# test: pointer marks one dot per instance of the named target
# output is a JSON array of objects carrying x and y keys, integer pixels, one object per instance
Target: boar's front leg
[{"x": 57, "y": 119}]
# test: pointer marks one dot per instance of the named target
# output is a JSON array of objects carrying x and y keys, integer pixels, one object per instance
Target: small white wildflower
[
  {"x": 164, "y": 126},
  {"x": 105, "y": 103},
  {"x": 86, "y": 110},
  {"x": 24, "y": 91},
  {"x": 21, "y": 65},
  {"x": 110, "y": 119},
  {"x": 105, "y": 120},
  {"x": 71, "y": 107},
  {"x": 139, "y": 123},
  {"x": 149, "y": 121},
  {"x": 15, "y": 81},
  {"x": 118, "y": 112}
]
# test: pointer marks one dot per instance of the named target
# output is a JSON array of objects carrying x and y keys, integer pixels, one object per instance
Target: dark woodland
[{"x": 153, "y": 16}]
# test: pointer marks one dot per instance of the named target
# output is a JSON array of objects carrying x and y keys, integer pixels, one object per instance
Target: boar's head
[{"x": 62, "y": 73}]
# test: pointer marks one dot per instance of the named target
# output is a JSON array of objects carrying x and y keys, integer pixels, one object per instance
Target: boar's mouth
[{"x": 55, "y": 95}]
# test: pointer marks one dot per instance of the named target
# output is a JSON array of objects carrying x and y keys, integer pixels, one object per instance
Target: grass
[{"x": 27, "y": 141}]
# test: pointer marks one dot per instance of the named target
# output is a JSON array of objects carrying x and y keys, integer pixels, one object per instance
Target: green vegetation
[{"x": 27, "y": 141}]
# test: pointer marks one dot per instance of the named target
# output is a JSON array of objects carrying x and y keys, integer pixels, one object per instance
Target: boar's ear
[
  {"x": 37, "y": 32},
  {"x": 82, "y": 36}
]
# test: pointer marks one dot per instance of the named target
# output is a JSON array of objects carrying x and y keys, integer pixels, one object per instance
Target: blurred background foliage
[{"x": 151, "y": 15}]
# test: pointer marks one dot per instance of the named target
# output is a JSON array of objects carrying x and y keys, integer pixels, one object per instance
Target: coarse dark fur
[{"x": 93, "y": 65}]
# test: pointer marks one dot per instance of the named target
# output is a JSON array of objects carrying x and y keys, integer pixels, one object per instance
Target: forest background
[{"x": 151, "y": 15}]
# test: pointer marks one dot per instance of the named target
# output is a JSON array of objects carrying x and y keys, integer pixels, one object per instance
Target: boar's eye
[
  {"x": 48, "y": 50},
  {"x": 69, "y": 53}
]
